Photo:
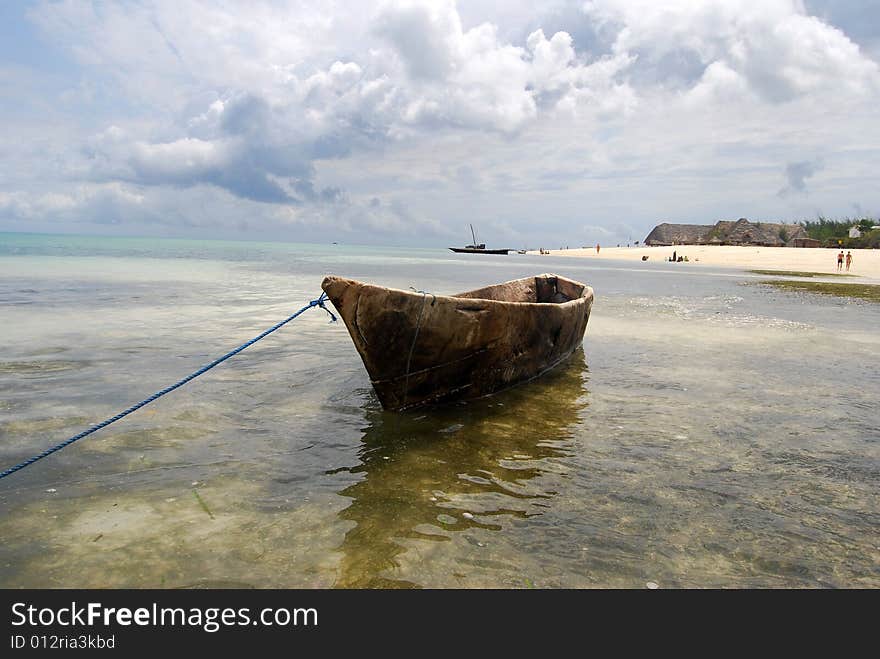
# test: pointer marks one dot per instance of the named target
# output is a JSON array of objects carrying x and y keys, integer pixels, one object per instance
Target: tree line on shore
[{"x": 835, "y": 233}]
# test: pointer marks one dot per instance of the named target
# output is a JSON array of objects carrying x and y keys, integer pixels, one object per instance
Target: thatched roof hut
[
  {"x": 677, "y": 234},
  {"x": 727, "y": 232}
]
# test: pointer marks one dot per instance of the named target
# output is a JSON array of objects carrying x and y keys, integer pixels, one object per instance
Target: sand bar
[{"x": 865, "y": 264}]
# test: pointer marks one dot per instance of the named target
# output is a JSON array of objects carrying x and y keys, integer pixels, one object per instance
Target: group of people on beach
[{"x": 840, "y": 260}]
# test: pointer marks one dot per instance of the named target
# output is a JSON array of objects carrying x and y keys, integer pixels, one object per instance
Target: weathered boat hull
[{"x": 419, "y": 348}]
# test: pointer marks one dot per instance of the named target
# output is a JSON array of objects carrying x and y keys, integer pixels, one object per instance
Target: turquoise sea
[{"x": 713, "y": 432}]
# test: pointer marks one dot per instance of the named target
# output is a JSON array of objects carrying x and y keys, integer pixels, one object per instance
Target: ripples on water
[{"x": 711, "y": 433}]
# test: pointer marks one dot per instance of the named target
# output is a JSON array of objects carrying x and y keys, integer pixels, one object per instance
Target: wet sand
[{"x": 865, "y": 263}]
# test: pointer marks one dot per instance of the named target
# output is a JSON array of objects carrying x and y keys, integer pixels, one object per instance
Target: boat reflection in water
[{"x": 455, "y": 473}]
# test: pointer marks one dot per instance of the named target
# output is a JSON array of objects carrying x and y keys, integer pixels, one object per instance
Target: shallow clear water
[{"x": 712, "y": 433}]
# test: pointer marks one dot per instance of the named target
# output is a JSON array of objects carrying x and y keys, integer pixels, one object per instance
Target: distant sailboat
[{"x": 477, "y": 248}]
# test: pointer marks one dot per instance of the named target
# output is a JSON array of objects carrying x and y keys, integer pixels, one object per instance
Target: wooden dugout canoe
[{"x": 420, "y": 348}]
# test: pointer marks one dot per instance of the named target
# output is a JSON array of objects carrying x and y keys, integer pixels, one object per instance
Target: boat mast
[{"x": 473, "y": 235}]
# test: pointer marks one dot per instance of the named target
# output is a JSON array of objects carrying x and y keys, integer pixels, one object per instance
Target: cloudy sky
[{"x": 543, "y": 123}]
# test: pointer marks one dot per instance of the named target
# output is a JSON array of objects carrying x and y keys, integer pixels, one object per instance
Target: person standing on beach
[
  {"x": 597, "y": 248},
  {"x": 848, "y": 260},
  {"x": 840, "y": 261}
]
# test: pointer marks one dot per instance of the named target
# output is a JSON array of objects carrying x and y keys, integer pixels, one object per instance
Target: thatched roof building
[
  {"x": 678, "y": 234},
  {"x": 727, "y": 232}
]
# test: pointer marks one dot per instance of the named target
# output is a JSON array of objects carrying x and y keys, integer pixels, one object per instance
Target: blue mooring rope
[{"x": 49, "y": 451}]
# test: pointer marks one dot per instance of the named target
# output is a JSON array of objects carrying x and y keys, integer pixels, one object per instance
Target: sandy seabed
[{"x": 865, "y": 262}]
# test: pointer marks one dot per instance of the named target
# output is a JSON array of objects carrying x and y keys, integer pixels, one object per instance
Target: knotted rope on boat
[{"x": 319, "y": 302}]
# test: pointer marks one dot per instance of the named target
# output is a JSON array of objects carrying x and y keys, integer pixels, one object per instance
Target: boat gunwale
[{"x": 583, "y": 295}]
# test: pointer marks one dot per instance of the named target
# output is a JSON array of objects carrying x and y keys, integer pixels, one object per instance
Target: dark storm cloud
[
  {"x": 243, "y": 148},
  {"x": 796, "y": 175},
  {"x": 250, "y": 183},
  {"x": 329, "y": 195},
  {"x": 335, "y": 145},
  {"x": 245, "y": 115}
]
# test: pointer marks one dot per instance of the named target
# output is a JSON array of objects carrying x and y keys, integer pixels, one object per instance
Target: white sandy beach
[{"x": 865, "y": 263}]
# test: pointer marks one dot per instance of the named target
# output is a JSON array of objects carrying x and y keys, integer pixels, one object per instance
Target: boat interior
[{"x": 547, "y": 289}]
